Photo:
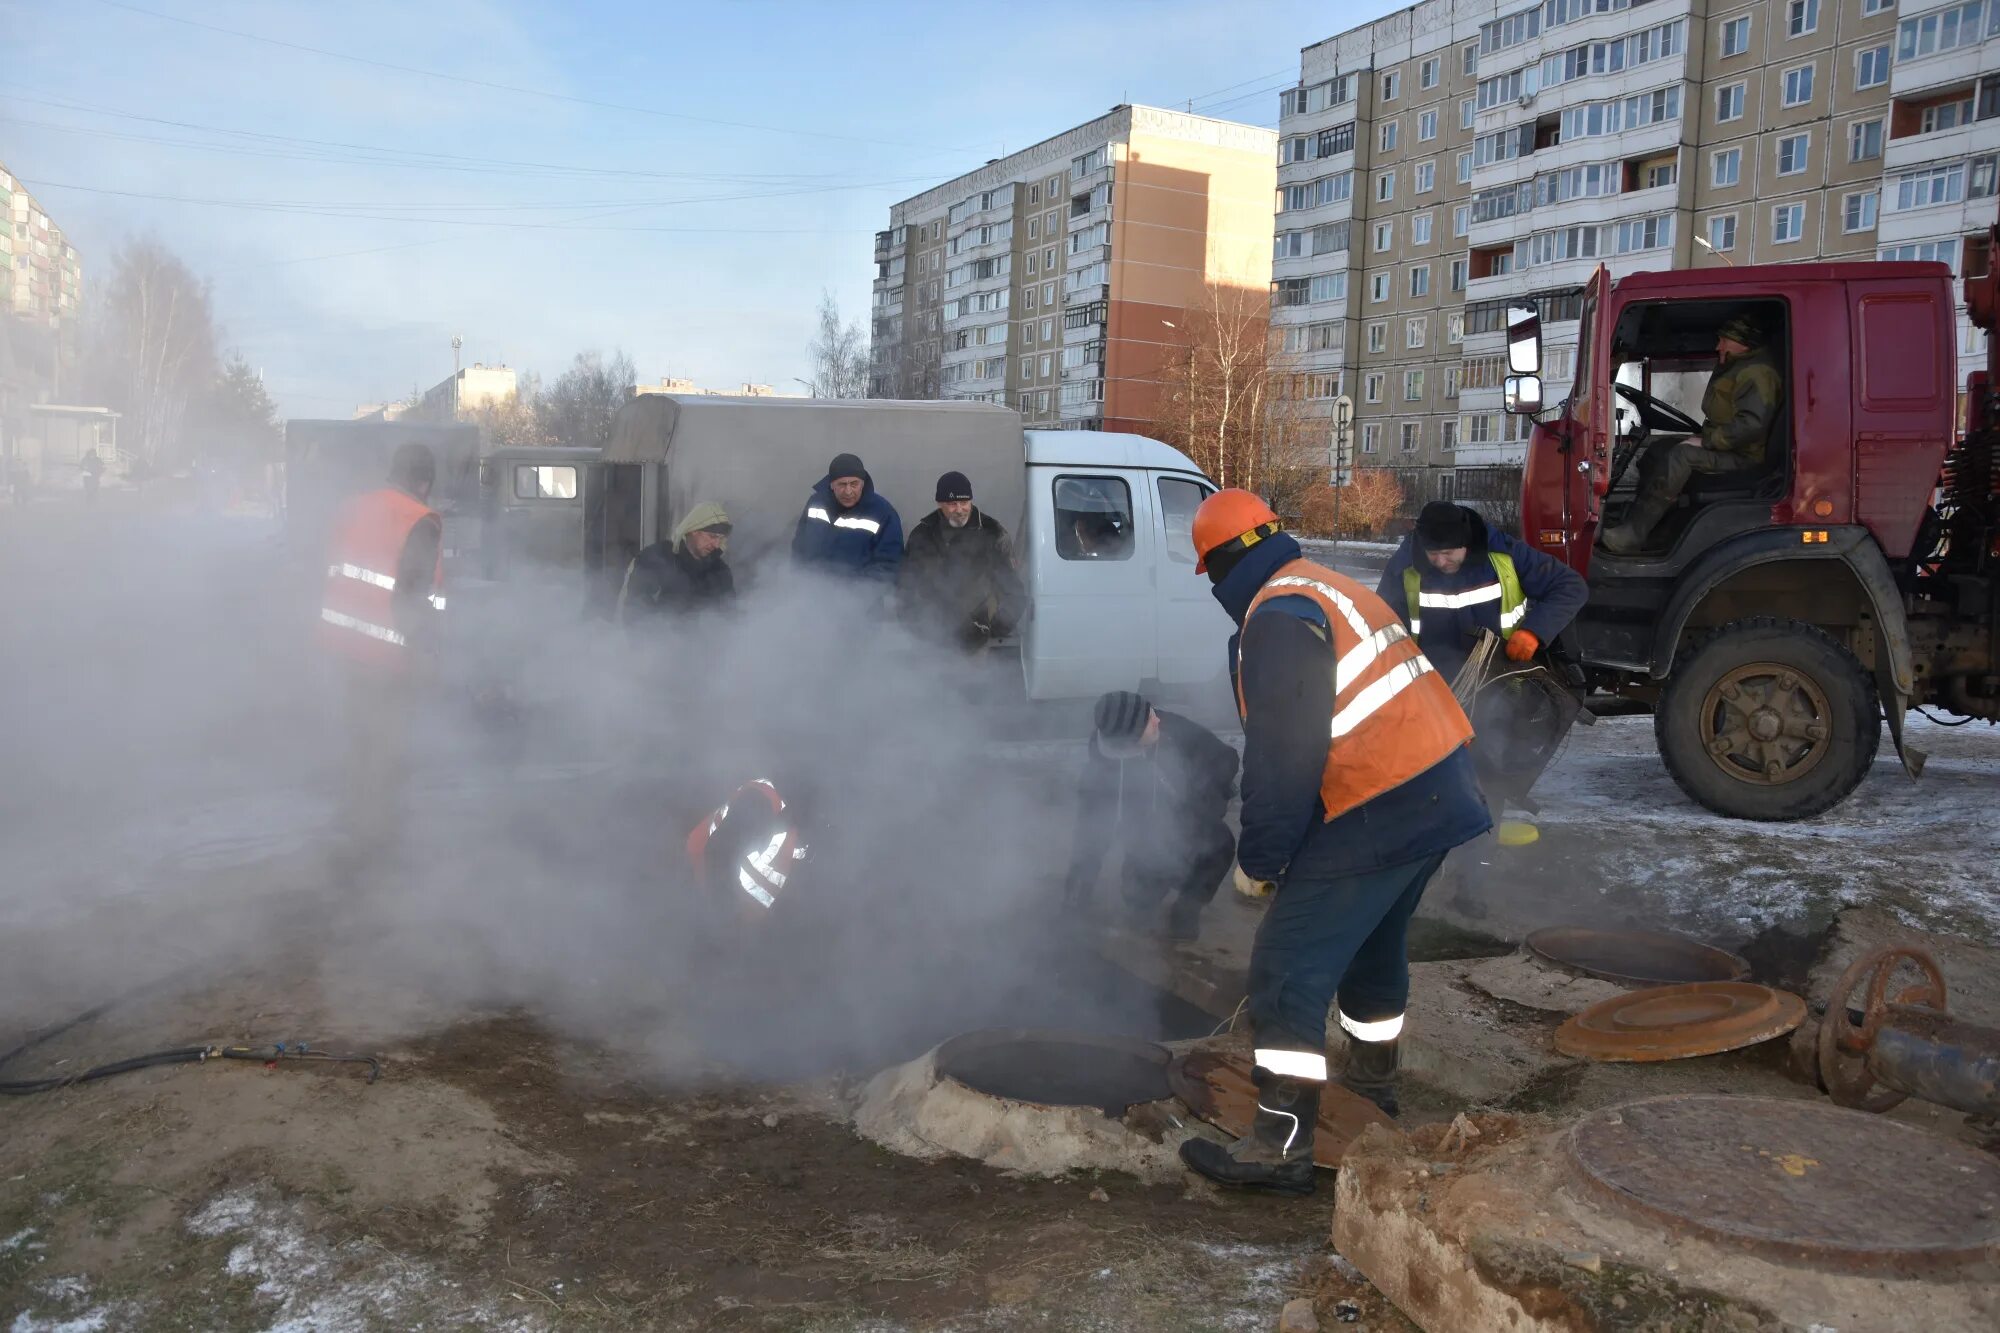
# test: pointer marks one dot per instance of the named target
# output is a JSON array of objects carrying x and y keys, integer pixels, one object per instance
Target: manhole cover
[
  {"x": 1635, "y": 957},
  {"x": 1675, "y": 1022},
  {"x": 1216, "y": 1086},
  {"x": 1800, "y": 1181},
  {"x": 1058, "y": 1068}
]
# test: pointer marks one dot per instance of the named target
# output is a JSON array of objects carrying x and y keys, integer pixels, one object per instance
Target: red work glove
[{"x": 1521, "y": 646}]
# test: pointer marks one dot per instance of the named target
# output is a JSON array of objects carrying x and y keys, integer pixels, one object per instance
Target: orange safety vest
[
  {"x": 764, "y": 869},
  {"x": 357, "y": 612},
  {"x": 1393, "y": 715}
]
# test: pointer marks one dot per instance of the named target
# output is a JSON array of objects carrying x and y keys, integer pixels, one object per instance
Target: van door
[
  {"x": 1094, "y": 626},
  {"x": 1193, "y": 629}
]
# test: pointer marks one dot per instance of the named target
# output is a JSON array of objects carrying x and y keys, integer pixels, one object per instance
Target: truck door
[
  {"x": 1193, "y": 628},
  {"x": 1094, "y": 626}
]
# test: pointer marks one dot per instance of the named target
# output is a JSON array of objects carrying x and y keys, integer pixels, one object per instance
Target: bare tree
[
  {"x": 1365, "y": 505},
  {"x": 577, "y": 408},
  {"x": 516, "y": 419},
  {"x": 152, "y": 348},
  {"x": 839, "y": 354}
]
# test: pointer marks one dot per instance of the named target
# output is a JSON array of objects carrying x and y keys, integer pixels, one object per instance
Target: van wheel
[{"x": 1768, "y": 718}]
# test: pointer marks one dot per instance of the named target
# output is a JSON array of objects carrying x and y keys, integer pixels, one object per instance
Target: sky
[{"x": 360, "y": 180}]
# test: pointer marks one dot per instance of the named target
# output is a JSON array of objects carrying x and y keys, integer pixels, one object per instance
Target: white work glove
[{"x": 1255, "y": 889}]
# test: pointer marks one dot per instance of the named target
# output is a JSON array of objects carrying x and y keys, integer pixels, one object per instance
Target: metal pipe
[{"x": 1939, "y": 1059}]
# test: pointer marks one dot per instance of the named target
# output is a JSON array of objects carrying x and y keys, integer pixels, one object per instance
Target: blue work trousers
[{"x": 1328, "y": 935}]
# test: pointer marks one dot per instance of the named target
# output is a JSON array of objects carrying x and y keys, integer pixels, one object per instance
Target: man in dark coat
[
  {"x": 848, "y": 527},
  {"x": 684, "y": 573},
  {"x": 1158, "y": 785},
  {"x": 958, "y": 580}
]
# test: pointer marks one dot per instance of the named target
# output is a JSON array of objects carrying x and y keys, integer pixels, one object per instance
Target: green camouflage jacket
[{"x": 1741, "y": 404}]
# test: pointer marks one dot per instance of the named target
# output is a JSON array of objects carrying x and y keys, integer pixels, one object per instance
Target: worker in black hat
[
  {"x": 1457, "y": 575},
  {"x": 958, "y": 582},
  {"x": 1158, "y": 785},
  {"x": 848, "y": 527}
]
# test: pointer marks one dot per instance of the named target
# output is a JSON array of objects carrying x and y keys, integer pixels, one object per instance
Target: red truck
[{"x": 1781, "y": 614}]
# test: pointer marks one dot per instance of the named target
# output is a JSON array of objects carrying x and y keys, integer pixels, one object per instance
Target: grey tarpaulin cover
[{"x": 760, "y": 457}]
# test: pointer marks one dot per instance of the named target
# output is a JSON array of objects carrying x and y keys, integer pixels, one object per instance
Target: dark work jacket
[
  {"x": 1287, "y": 685},
  {"x": 1159, "y": 805},
  {"x": 1555, "y": 593},
  {"x": 669, "y": 580},
  {"x": 956, "y": 579},
  {"x": 865, "y": 540}
]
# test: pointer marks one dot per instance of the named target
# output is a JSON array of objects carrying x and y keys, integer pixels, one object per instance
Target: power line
[
  {"x": 1203, "y": 97},
  {"x": 491, "y": 86}
]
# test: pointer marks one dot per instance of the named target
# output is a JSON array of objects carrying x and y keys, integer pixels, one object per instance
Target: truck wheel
[{"x": 1768, "y": 718}]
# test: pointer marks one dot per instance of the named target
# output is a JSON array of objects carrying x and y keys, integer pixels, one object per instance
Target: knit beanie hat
[
  {"x": 845, "y": 465},
  {"x": 953, "y": 486},
  {"x": 1442, "y": 525},
  {"x": 1121, "y": 720}
]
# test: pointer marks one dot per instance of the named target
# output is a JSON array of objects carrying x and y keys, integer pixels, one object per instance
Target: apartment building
[
  {"x": 1463, "y": 155},
  {"x": 44, "y": 276},
  {"x": 1057, "y": 279}
]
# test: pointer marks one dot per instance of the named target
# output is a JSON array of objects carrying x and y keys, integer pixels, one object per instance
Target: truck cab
[{"x": 1780, "y": 612}]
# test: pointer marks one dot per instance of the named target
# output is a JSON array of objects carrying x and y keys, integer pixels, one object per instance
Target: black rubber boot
[
  {"x": 1371, "y": 1072},
  {"x": 1276, "y": 1155}
]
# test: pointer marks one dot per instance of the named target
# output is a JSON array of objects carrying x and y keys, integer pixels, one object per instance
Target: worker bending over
[
  {"x": 746, "y": 852},
  {"x": 1456, "y": 576},
  {"x": 1356, "y": 782}
]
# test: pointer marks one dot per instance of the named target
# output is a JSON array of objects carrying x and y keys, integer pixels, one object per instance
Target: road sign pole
[{"x": 1343, "y": 456}]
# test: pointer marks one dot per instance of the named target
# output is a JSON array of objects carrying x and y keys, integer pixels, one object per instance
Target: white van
[{"x": 1100, "y": 521}]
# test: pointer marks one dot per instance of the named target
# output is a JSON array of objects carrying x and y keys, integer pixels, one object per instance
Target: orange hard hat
[{"x": 1229, "y": 516}]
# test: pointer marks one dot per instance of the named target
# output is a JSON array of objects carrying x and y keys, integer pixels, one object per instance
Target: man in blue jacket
[
  {"x": 1455, "y": 576},
  {"x": 848, "y": 528}
]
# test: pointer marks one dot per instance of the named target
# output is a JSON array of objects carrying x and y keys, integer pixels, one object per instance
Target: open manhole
[
  {"x": 1635, "y": 957},
  {"x": 1057, "y": 1068}
]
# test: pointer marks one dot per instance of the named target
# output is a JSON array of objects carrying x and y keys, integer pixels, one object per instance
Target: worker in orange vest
[
  {"x": 378, "y": 617},
  {"x": 1357, "y": 780},
  {"x": 747, "y": 851}
]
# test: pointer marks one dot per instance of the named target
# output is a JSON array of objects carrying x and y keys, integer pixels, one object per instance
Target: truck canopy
[{"x": 760, "y": 457}]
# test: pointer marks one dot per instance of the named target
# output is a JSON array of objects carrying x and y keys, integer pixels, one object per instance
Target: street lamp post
[{"x": 1703, "y": 242}]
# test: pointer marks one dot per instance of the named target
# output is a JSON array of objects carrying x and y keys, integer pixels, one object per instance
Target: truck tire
[{"x": 1767, "y": 718}]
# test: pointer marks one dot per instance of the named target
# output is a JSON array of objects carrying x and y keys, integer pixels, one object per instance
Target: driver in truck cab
[
  {"x": 1456, "y": 576},
  {"x": 1738, "y": 410}
]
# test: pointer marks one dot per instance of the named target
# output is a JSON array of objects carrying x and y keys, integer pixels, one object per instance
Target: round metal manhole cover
[
  {"x": 1635, "y": 957},
  {"x": 1216, "y": 1086},
  {"x": 1802, "y": 1181},
  {"x": 1677, "y": 1022},
  {"x": 1058, "y": 1068}
]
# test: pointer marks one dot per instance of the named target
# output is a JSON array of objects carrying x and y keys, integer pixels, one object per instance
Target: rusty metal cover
[
  {"x": 1216, "y": 1086},
  {"x": 1675, "y": 1022},
  {"x": 1799, "y": 1181},
  {"x": 1635, "y": 957}
]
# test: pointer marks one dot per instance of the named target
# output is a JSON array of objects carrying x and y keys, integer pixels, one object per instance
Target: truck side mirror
[
  {"x": 1523, "y": 394},
  {"x": 1524, "y": 340}
]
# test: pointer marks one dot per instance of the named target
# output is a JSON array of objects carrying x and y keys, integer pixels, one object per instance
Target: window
[
  {"x": 1722, "y": 232},
  {"x": 1864, "y": 140},
  {"x": 1792, "y": 154},
  {"x": 1468, "y": 60},
  {"x": 1801, "y": 17},
  {"x": 1413, "y": 431},
  {"x": 1420, "y": 229},
  {"x": 1729, "y": 103},
  {"x": 1034, "y": 194},
  {"x": 1093, "y": 514},
  {"x": 1858, "y": 211},
  {"x": 1479, "y": 428},
  {"x": 1027, "y": 298},
  {"x": 1945, "y": 116},
  {"x": 1726, "y": 168},
  {"x": 1055, "y": 186},
  {"x": 1465, "y": 109},
  {"x": 1378, "y": 335},
  {"x": 1048, "y": 329},
  {"x": 1458, "y": 271},
  {"x": 1946, "y": 29},
  {"x": 1034, "y": 228},
  {"x": 1662, "y": 173},
  {"x": 1386, "y": 136},
  {"x": 1454, "y": 327},
  {"x": 1385, "y": 236},
  {"x": 1371, "y": 387},
  {"x": 1099, "y": 235},
  {"x": 1736, "y": 36},
  {"x": 1046, "y": 366},
  {"x": 1323, "y": 386},
  {"x": 1426, "y": 177},
  {"x": 1870, "y": 8},
  {"x": 1415, "y": 330},
  {"x": 1798, "y": 85},
  {"x": 1329, "y": 287},
  {"x": 1032, "y": 270},
  {"x": 1392, "y": 85},
  {"x": 544, "y": 483},
  {"x": 1447, "y": 439},
  {"x": 1934, "y": 185},
  {"x": 1420, "y": 280},
  {"x": 1178, "y": 501},
  {"x": 1427, "y": 126},
  {"x": 1042, "y": 405},
  {"x": 1427, "y": 73},
  {"x": 1464, "y": 168},
  {"x": 1288, "y": 245},
  {"x": 1027, "y": 367},
  {"x": 1371, "y": 435},
  {"x": 1941, "y": 252},
  {"x": 1461, "y": 220},
  {"x": 1788, "y": 223},
  {"x": 1871, "y": 67}
]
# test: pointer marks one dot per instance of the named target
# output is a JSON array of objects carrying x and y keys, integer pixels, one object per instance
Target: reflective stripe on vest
[
  {"x": 386, "y": 582},
  {"x": 355, "y": 623},
  {"x": 358, "y": 613},
  {"x": 1506, "y": 590},
  {"x": 1393, "y": 715}
]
